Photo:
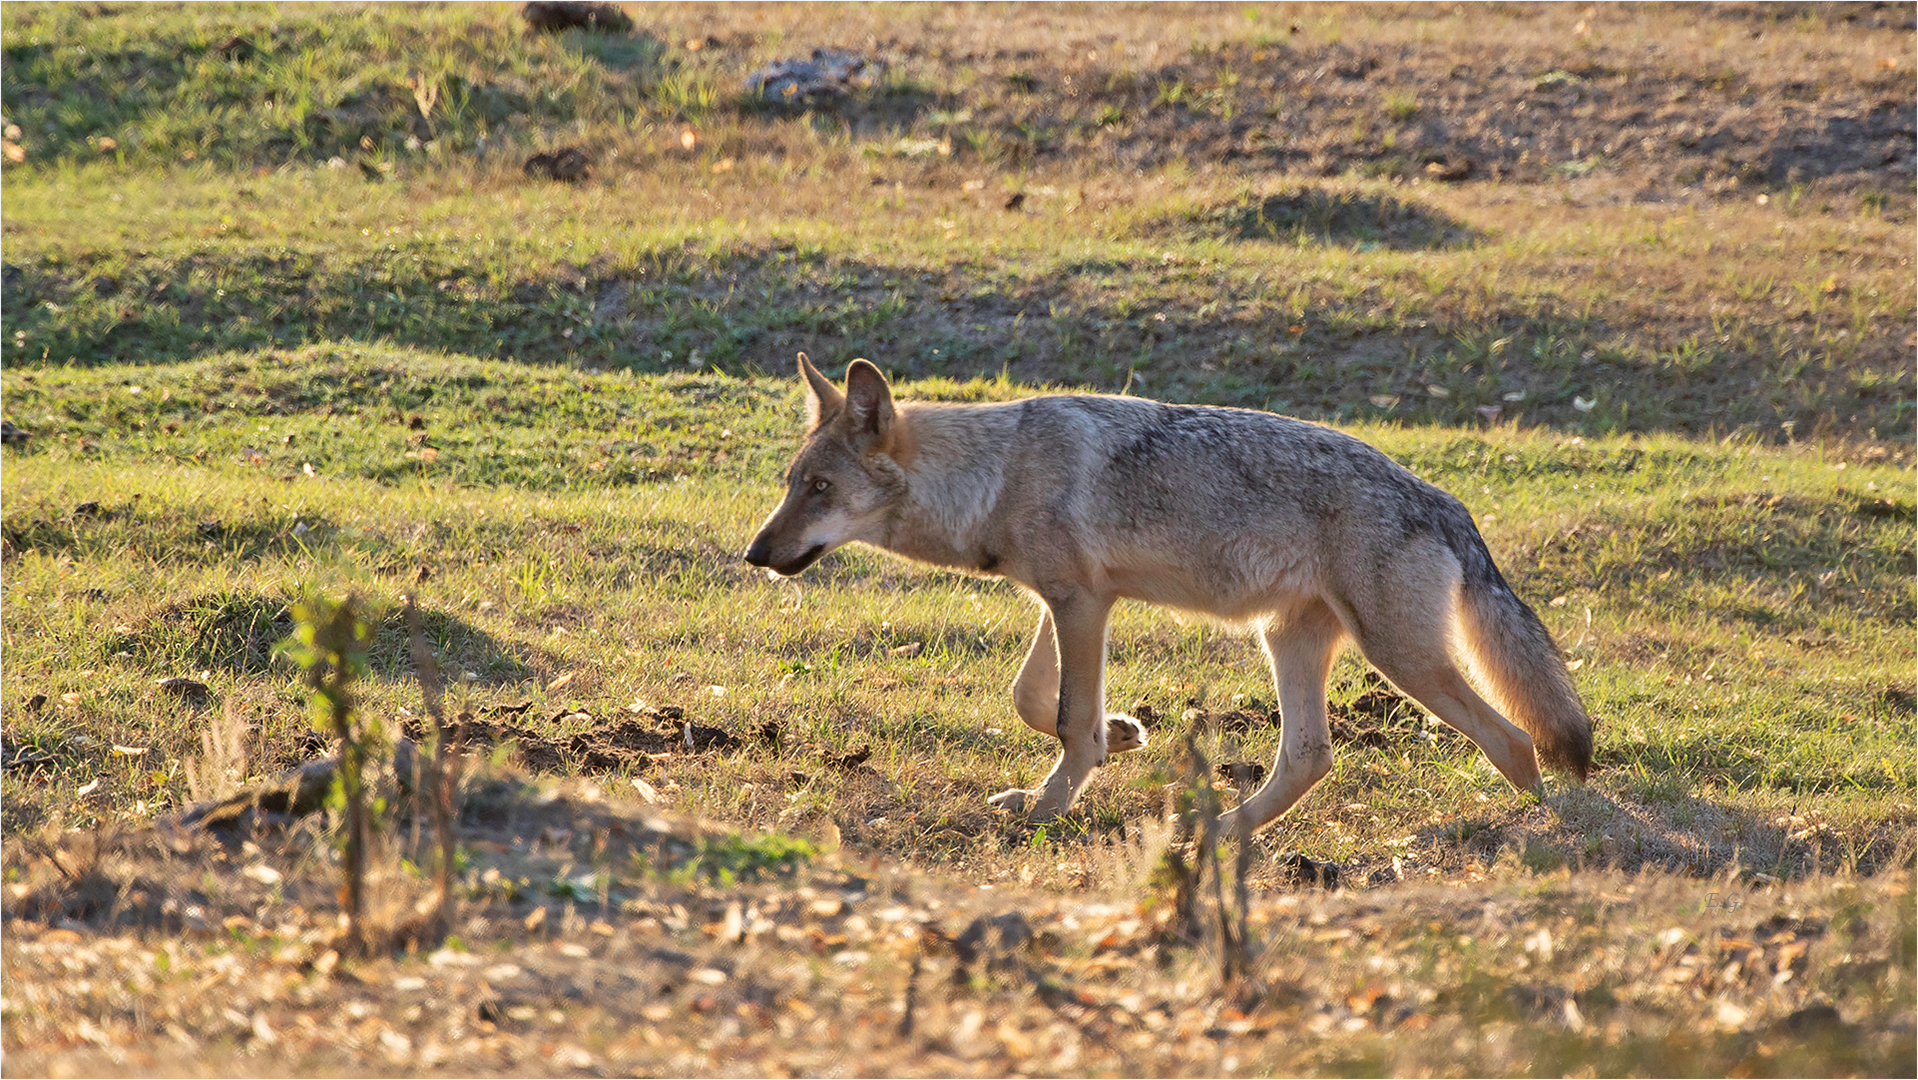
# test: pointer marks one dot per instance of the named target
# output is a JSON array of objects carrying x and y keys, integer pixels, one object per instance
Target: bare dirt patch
[{"x": 1667, "y": 104}]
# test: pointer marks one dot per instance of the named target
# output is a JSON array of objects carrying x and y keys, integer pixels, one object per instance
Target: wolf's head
[{"x": 844, "y": 478}]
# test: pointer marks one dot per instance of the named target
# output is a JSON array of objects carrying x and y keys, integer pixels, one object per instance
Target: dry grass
[{"x": 583, "y": 949}]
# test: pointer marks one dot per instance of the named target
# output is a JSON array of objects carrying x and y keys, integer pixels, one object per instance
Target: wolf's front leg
[
  {"x": 1035, "y": 694},
  {"x": 1077, "y": 621},
  {"x": 1301, "y": 651}
]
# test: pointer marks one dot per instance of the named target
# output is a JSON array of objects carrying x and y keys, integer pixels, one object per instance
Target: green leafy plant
[
  {"x": 734, "y": 858},
  {"x": 329, "y": 643}
]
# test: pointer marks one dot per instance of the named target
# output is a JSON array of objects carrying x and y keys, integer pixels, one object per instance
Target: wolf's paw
[
  {"x": 1123, "y": 733},
  {"x": 1030, "y": 802}
]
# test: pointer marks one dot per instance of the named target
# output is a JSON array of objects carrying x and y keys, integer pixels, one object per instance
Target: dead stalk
[
  {"x": 1197, "y": 813},
  {"x": 442, "y": 773}
]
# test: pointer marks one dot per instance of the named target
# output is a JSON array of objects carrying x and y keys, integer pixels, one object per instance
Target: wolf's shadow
[{"x": 1586, "y": 828}]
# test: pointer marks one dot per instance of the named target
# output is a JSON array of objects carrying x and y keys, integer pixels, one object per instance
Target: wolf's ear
[
  {"x": 823, "y": 399},
  {"x": 868, "y": 407}
]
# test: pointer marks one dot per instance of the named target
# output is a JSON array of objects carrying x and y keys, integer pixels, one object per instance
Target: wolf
[{"x": 1305, "y": 534}]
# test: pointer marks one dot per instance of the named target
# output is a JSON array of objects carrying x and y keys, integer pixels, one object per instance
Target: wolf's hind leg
[
  {"x": 1035, "y": 694},
  {"x": 1411, "y": 651},
  {"x": 1300, "y": 651}
]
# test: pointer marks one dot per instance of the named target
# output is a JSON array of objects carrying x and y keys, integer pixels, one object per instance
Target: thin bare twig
[
  {"x": 442, "y": 772},
  {"x": 1233, "y": 961}
]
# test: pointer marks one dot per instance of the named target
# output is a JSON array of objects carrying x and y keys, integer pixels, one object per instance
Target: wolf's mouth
[{"x": 810, "y": 556}]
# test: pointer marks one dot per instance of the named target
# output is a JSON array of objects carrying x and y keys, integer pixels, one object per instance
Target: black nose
[{"x": 759, "y": 554}]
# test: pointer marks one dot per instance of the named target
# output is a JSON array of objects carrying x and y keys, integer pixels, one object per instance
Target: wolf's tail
[{"x": 1517, "y": 661}]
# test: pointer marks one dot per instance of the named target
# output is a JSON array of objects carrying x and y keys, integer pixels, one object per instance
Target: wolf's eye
[{"x": 821, "y": 485}]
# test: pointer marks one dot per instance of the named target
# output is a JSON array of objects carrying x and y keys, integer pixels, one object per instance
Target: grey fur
[{"x": 1304, "y": 532}]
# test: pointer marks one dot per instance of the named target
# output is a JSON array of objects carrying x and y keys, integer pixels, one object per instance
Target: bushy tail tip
[{"x": 1520, "y": 665}]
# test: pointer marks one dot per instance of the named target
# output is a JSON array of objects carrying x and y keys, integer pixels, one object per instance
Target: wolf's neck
[{"x": 955, "y": 472}]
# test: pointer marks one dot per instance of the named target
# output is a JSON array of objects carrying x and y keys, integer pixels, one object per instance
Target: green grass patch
[
  {"x": 1735, "y": 614},
  {"x": 240, "y": 85}
]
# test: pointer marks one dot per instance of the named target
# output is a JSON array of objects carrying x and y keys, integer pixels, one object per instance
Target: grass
[
  {"x": 306, "y": 326},
  {"x": 1699, "y": 311},
  {"x": 235, "y": 85},
  {"x": 1596, "y": 307},
  {"x": 1733, "y": 608}
]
